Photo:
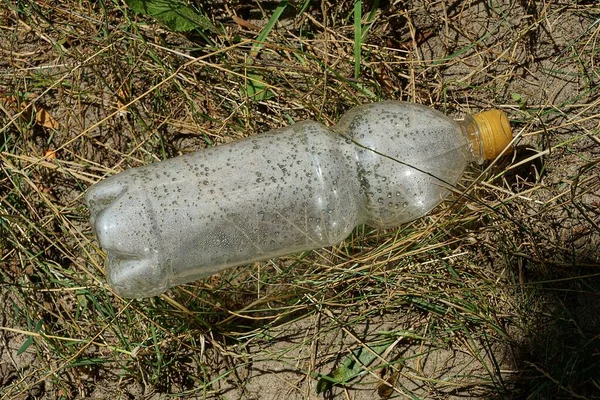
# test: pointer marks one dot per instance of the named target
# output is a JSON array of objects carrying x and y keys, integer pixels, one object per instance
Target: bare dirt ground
[{"x": 494, "y": 295}]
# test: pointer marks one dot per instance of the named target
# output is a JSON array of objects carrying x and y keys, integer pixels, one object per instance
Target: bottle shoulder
[{"x": 408, "y": 155}]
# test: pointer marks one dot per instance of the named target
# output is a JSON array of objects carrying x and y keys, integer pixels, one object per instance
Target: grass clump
[{"x": 493, "y": 295}]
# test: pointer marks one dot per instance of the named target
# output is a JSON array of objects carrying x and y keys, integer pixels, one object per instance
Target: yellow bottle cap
[{"x": 495, "y": 132}]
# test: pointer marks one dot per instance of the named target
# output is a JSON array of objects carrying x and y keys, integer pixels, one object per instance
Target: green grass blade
[
  {"x": 357, "y": 36},
  {"x": 29, "y": 341},
  {"x": 370, "y": 20},
  {"x": 260, "y": 40}
]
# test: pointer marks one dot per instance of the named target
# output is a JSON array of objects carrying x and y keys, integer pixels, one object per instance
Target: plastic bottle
[{"x": 289, "y": 190}]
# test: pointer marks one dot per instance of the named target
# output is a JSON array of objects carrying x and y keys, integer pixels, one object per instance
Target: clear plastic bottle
[{"x": 289, "y": 190}]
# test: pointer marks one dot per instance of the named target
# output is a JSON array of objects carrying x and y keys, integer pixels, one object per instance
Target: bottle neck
[{"x": 472, "y": 133}]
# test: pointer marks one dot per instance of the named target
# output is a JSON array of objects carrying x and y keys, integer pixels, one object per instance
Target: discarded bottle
[{"x": 289, "y": 190}]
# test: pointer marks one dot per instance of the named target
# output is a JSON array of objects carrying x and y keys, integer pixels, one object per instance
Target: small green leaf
[
  {"x": 256, "y": 89},
  {"x": 29, "y": 340},
  {"x": 352, "y": 366},
  {"x": 25, "y": 345},
  {"x": 176, "y": 15},
  {"x": 519, "y": 99}
]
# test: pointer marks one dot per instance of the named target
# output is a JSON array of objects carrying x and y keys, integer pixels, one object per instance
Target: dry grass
[{"x": 494, "y": 295}]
